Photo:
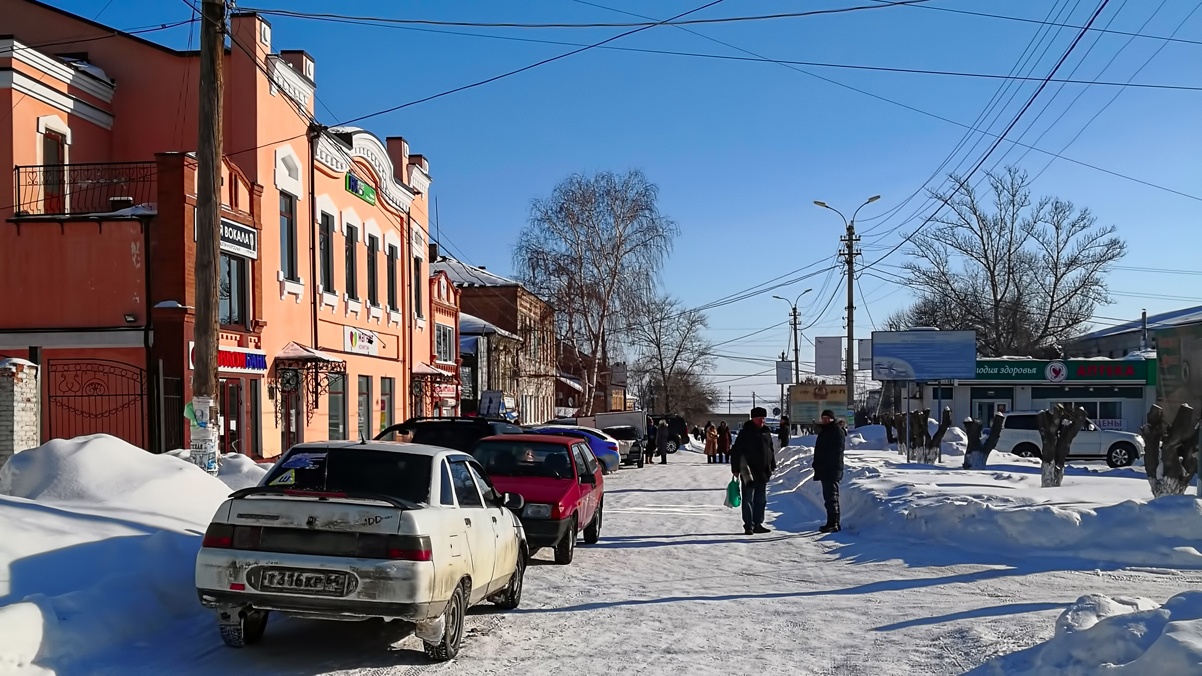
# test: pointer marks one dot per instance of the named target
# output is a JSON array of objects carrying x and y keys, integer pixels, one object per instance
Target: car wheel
[
  {"x": 512, "y": 597},
  {"x": 593, "y": 532},
  {"x": 452, "y": 632},
  {"x": 565, "y": 551},
  {"x": 671, "y": 446},
  {"x": 1120, "y": 455},
  {"x": 243, "y": 628},
  {"x": 1027, "y": 451},
  {"x": 639, "y": 461}
]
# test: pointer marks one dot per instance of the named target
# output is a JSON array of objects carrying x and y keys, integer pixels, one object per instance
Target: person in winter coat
[
  {"x": 711, "y": 443},
  {"x": 662, "y": 435},
  {"x": 752, "y": 461},
  {"x": 828, "y": 467},
  {"x": 723, "y": 442},
  {"x": 783, "y": 432}
]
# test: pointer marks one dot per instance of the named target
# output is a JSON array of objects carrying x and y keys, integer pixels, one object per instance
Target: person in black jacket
[
  {"x": 752, "y": 461},
  {"x": 828, "y": 468}
]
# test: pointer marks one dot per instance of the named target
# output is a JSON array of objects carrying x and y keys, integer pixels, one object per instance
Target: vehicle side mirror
[
  {"x": 513, "y": 501},
  {"x": 588, "y": 479}
]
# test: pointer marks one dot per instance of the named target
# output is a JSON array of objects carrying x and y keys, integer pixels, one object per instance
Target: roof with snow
[
  {"x": 1161, "y": 321},
  {"x": 463, "y": 274},
  {"x": 471, "y": 325}
]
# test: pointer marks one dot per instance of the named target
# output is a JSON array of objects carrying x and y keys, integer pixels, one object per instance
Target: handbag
[{"x": 734, "y": 497}]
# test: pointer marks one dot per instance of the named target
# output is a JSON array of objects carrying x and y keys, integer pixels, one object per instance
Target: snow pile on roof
[
  {"x": 464, "y": 274},
  {"x": 1098, "y": 516},
  {"x": 98, "y": 547},
  {"x": 1121, "y": 635}
]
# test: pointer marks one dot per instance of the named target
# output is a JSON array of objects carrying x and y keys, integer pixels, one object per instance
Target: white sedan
[{"x": 348, "y": 531}]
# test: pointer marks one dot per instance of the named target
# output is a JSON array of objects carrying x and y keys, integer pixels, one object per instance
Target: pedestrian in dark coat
[
  {"x": 828, "y": 468},
  {"x": 723, "y": 442},
  {"x": 783, "y": 432},
  {"x": 662, "y": 435},
  {"x": 753, "y": 460}
]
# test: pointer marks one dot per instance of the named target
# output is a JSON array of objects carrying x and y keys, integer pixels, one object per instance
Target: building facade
[
  {"x": 331, "y": 323},
  {"x": 1115, "y": 393},
  {"x": 509, "y": 306},
  {"x": 489, "y": 357}
]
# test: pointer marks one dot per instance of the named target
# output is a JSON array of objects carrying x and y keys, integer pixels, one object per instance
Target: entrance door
[
  {"x": 984, "y": 410},
  {"x": 290, "y": 424},
  {"x": 231, "y": 410}
]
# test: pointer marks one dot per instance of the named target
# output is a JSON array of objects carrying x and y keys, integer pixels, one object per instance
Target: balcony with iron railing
[{"x": 81, "y": 189}]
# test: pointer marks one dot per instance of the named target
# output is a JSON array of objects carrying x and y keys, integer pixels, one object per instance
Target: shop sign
[
  {"x": 1115, "y": 424},
  {"x": 239, "y": 239},
  {"x": 359, "y": 188},
  {"x": 446, "y": 391},
  {"x": 234, "y": 359},
  {"x": 1057, "y": 371},
  {"x": 359, "y": 341}
]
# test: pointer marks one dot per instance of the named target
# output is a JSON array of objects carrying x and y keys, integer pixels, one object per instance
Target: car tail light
[
  {"x": 409, "y": 548},
  {"x": 611, "y": 445},
  {"x": 218, "y": 535}
]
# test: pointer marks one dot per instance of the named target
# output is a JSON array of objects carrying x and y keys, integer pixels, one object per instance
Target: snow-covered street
[{"x": 675, "y": 587}]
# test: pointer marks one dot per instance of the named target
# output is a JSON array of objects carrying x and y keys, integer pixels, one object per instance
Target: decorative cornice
[
  {"x": 367, "y": 147},
  {"x": 330, "y": 154},
  {"x": 293, "y": 84},
  {"x": 23, "y": 84},
  {"x": 33, "y": 58},
  {"x": 419, "y": 179}
]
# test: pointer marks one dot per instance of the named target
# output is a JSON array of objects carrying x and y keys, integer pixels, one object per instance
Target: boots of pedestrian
[
  {"x": 830, "y": 528},
  {"x": 761, "y": 529}
]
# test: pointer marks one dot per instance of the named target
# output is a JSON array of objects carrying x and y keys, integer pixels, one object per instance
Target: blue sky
[{"x": 740, "y": 150}]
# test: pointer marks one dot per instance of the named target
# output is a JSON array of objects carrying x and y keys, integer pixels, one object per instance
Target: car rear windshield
[
  {"x": 622, "y": 433},
  {"x": 458, "y": 435},
  {"x": 524, "y": 458},
  {"x": 1021, "y": 422},
  {"x": 355, "y": 470}
]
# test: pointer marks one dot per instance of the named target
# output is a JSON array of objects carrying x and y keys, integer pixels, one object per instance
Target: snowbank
[
  {"x": 234, "y": 469},
  {"x": 97, "y": 544},
  {"x": 1101, "y": 516},
  {"x": 1119, "y": 636}
]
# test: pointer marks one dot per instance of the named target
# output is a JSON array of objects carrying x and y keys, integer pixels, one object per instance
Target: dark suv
[
  {"x": 678, "y": 431},
  {"x": 459, "y": 434}
]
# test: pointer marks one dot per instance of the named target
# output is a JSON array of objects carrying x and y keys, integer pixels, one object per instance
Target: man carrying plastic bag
[{"x": 752, "y": 462}]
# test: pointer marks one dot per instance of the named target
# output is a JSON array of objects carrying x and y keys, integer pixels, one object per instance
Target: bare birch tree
[
  {"x": 1025, "y": 276},
  {"x": 592, "y": 250},
  {"x": 672, "y": 350}
]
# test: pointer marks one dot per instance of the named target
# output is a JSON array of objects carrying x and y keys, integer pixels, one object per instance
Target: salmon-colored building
[{"x": 331, "y": 323}]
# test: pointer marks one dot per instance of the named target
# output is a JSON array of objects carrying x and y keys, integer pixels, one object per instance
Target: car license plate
[{"x": 296, "y": 581}]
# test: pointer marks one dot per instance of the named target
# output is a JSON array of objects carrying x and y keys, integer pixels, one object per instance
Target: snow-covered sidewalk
[{"x": 674, "y": 587}]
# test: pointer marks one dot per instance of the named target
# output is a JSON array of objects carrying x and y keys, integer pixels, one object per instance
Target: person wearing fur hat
[
  {"x": 828, "y": 467},
  {"x": 752, "y": 461}
]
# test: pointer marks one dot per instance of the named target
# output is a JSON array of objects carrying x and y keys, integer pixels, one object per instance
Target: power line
[{"x": 669, "y": 22}]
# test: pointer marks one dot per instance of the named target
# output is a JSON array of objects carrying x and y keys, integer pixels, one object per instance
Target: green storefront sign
[
  {"x": 1067, "y": 371},
  {"x": 359, "y": 188}
]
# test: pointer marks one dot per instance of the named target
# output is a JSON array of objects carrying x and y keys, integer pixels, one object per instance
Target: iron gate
[{"x": 96, "y": 396}]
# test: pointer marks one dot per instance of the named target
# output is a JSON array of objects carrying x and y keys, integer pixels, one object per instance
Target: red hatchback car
[{"x": 560, "y": 479}]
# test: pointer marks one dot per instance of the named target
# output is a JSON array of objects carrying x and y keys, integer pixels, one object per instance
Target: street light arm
[
  {"x": 857, "y": 211},
  {"x": 824, "y": 205}
]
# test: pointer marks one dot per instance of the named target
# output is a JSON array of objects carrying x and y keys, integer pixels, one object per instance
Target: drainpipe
[
  {"x": 315, "y": 131},
  {"x": 148, "y": 339}
]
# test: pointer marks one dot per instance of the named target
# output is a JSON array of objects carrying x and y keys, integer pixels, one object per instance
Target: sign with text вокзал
[{"x": 924, "y": 355}]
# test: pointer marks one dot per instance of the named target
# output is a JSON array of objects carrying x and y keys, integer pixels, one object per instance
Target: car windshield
[
  {"x": 622, "y": 433},
  {"x": 524, "y": 458},
  {"x": 578, "y": 434},
  {"x": 354, "y": 470}
]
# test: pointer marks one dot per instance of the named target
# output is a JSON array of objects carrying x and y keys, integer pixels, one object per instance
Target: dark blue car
[{"x": 603, "y": 446}]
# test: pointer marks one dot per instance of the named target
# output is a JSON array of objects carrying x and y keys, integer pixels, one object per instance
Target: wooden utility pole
[{"x": 208, "y": 242}]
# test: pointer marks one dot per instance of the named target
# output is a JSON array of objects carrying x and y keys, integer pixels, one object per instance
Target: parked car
[
  {"x": 630, "y": 443},
  {"x": 677, "y": 427},
  {"x": 460, "y": 433},
  {"x": 560, "y": 480},
  {"x": 346, "y": 530},
  {"x": 603, "y": 446},
  {"x": 1020, "y": 436}
]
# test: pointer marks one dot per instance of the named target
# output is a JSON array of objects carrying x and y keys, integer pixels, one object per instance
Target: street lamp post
[
  {"x": 850, "y": 254},
  {"x": 795, "y": 318}
]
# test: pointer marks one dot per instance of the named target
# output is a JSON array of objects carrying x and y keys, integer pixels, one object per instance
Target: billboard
[
  {"x": 807, "y": 401},
  {"x": 1179, "y": 367},
  {"x": 924, "y": 355},
  {"x": 828, "y": 356},
  {"x": 864, "y": 354}
]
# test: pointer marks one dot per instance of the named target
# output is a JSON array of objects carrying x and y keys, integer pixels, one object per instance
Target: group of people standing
[
  {"x": 717, "y": 442},
  {"x": 753, "y": 461}
]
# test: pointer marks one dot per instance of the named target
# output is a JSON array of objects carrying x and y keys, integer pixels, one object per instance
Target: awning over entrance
[
  {"x": 305, "y": 371},
  {"x": 571, "y": 382},
  {"x": 421, "y": 368}
]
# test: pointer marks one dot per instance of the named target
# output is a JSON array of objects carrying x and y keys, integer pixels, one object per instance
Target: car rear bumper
[
  {"x": 321, "y": 607},
  {"x": 375, "y": 588},
  {"x": 545, "y": 532}
]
